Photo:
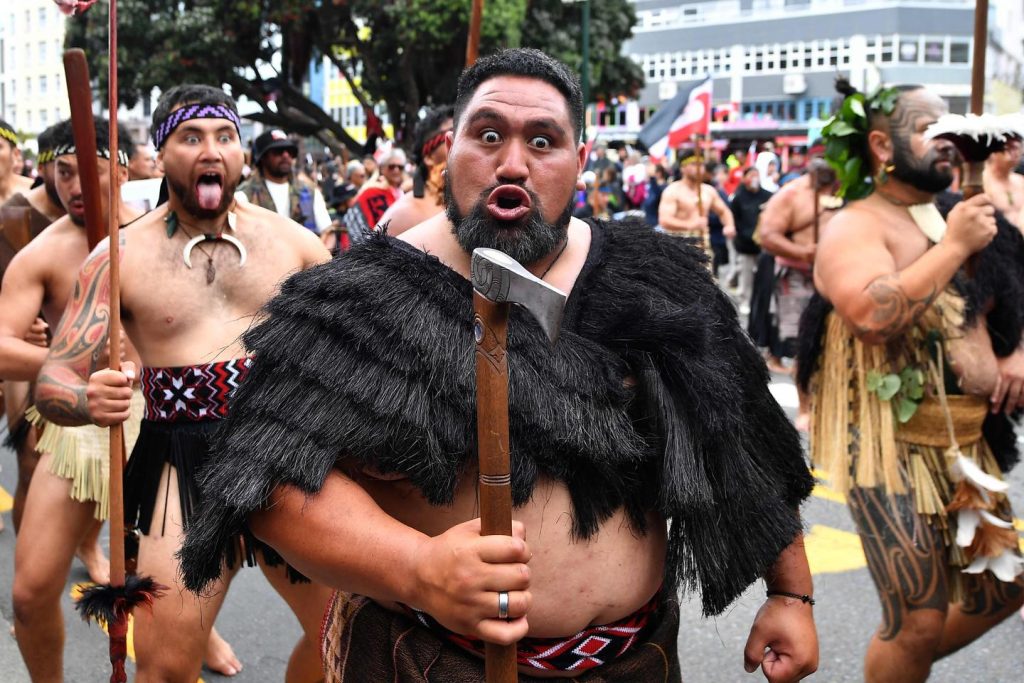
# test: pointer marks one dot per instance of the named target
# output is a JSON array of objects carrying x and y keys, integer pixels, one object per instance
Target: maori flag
[{"x": 678, "y": 120}]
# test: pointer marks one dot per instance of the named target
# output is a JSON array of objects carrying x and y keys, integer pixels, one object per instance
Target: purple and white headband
[{"x": 190, "y": 112}]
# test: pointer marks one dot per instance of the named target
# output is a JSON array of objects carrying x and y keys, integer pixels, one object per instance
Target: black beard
[
  {"x": 527, "y": 240},
  {"x": 920, "y": 174},
  {"x": 51, "y": 192},
  {"x": 189, "y": 201}
]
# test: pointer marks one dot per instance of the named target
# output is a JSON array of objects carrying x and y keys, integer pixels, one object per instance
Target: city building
[
  {"x": 774, "y": 62},
  {"x": 32, "y": 90}
]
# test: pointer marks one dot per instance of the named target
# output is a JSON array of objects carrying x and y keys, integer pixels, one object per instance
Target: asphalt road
[{"x": 262, "y": 631}]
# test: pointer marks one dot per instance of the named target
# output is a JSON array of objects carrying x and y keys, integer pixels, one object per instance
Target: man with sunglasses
[{"x": 276, "y": 187}]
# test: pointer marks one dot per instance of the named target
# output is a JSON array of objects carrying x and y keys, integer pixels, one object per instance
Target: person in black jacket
[{"x": 746, "y": 208}]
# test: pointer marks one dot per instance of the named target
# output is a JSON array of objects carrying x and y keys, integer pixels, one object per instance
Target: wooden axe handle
[
  {"x": 76, "y": 73},
  {"x": 490, "y": 328}
]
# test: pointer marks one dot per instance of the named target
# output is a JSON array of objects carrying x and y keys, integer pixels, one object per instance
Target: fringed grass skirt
[{"x": 82, "y": 454}]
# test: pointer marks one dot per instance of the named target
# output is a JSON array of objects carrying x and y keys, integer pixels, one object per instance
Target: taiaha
[
  {"x": 76, "y": 74},
  {"x": 111, "y": 604},
  {"x": 498, "y": 281},
  {"x": 473, "y": 42}
]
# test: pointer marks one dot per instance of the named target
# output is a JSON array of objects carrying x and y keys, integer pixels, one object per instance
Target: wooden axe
[{"x": 499, "y": 280}]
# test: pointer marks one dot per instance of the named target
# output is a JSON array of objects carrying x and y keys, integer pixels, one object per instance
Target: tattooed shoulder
[{"x": 894, "y": 312}]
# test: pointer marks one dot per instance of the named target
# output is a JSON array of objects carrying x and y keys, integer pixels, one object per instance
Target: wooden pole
[
  {"x": 490, "y": 328},
  {"x": 83, "y": 127},
  {"x": 978, "y": 63},
  {"x": 116, "y": 442},
  {"x": 815, "y": 183},
  {"x": 473, "y": 44}
]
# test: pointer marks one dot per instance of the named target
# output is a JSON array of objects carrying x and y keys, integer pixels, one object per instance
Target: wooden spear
[{"x": 83, "y": 127}]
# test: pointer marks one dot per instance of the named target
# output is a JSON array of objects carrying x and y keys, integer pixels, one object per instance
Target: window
[
  {"x": 959, "y": 52},
  {"x": 934, "y": 51},
  {"x": 42, "y": 52},
  {"x": 887, "y": 51},
  {"x": 42, "y": 17},
  {"x": 908, "y": 50},
  {"x": 43, "y": 118},
  {"x": 42, "y": 85},
  {"x": 28, "y": 86}
]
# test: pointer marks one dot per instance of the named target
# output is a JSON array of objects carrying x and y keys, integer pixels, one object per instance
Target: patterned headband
[
  {"x": 9, "y": 135},
  {"x": 433, "y": 143},
  {"x": 189, "y": 112},
  {"x": 103, "y": 152},
  {"x": 45, "y": 156}
]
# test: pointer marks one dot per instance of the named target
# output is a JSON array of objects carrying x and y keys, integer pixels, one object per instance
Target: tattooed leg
[
  {"x": 906, "y": 559},
  {"x": 987, "y": 601}
]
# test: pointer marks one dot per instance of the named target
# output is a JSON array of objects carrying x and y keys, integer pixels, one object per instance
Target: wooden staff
[
  {"x": 83, "y": 127},
  {"x": 117, "y": 560},
  {"x": 978, "y": 63},
  {"x": 473, "y": 43},
  {"x": 700, "y": 174},
  {"x": 112, "y": 603},
  {"x": 817, "y": 201}
]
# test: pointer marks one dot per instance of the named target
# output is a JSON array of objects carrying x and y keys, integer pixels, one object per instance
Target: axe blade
[{"x": 500, "y": 278}]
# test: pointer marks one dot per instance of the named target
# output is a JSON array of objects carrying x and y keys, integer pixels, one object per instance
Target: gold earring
[{"x": 883, "y": 173}]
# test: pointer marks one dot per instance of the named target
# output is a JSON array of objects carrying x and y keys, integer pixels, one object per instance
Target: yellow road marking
[
  {"x": 833, "y": 550},
  {"x": 76, "y": 591}
]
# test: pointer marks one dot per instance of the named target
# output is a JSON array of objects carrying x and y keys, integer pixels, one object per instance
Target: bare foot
[
  {"x": 803, "y": 422},
  {"x": 96, "y": 563},
  {"x": 220, "y": 658},
  {"x": 775, "y": 365}
]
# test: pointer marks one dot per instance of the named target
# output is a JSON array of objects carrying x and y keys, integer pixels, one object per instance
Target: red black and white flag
[{"x": 678, "y": 120}]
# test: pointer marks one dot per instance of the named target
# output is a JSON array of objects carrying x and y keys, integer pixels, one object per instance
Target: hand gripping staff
[
  {"x": 111, "y": 604},
  {"x": 498, "y": 280}
]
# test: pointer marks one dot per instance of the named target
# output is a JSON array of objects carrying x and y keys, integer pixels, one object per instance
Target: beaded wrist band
[{"x": 802, "y": 598}]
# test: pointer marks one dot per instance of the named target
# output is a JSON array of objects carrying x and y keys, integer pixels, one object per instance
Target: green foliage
[
  {"x": 904, "y": 390},
  {"x": 402, "y": 53},
  {"x": 846, "y": 139}
]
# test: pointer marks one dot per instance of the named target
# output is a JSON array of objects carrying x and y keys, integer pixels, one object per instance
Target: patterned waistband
[
  {"x": 193, "y": 392},
  {"x": 590, "y": 648}
]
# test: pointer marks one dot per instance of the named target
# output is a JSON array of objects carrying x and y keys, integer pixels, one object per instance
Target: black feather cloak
[{"x": 653, "y": 399}]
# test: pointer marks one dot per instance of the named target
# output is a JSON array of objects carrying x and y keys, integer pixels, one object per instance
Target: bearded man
[
  {"x": 193, "y": 273},
  {"x": 611, "y": 432},
  {"x": 1003, "y": 184},
  {"x": 902, "y": 391}
]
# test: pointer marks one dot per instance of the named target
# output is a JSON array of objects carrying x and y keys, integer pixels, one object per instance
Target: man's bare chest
[{"x": 214, "y": 285}]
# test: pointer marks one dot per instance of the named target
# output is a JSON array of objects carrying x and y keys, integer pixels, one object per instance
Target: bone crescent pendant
[{"x": 230, "y": 239}]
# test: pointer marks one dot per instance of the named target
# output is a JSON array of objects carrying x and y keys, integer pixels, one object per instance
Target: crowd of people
[{"x": 297, "y": 386}]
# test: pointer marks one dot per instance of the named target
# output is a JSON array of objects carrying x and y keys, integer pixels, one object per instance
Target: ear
[
  {"x": 581, "y": 158},
  {"x": 880, "y": 145},
  {"x": 122, "y": 174},
  {"x": 449, "y": 139}
]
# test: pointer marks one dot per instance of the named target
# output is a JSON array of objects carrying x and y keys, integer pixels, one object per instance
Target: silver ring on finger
[{"x": 503, "y": 604}]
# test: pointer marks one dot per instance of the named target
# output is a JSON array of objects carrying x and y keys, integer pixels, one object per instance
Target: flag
[{"x": 678, "y": 120}]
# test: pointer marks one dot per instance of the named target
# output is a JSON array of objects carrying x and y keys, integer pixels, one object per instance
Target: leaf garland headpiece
[{"x": 846, "y": 136}]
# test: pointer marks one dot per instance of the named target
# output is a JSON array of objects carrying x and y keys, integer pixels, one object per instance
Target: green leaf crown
[{"x": 846, "y": 135}]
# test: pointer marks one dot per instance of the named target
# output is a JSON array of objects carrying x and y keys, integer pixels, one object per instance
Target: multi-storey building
[
  {"x": 774, "y": 62},
  {"x": 32, "y": 90}
]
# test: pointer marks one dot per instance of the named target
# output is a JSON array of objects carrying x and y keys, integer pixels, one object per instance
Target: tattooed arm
[
  {"x": 857, "y": 271},
  {"x": 79, "y": 345}
]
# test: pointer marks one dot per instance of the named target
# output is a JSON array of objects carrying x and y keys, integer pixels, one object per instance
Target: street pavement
[{"x": 261, "y": 629}]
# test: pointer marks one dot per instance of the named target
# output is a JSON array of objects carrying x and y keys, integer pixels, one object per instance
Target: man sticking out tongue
[{"x": 194, "y": 273}]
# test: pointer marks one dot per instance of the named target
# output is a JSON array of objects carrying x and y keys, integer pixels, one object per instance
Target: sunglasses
[
  {"x": 395, "y": 167},
  {"x": 277, "y": 152}
]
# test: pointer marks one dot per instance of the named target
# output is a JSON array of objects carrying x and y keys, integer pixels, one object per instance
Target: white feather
[
  {"x": 964, "y": 468},
  {"x": 994, "y": 128},
  {"x": 966, "y": 524}
]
